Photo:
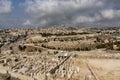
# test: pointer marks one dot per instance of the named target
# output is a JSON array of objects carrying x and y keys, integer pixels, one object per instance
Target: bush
[
  {"x": 55, "y": 52},
  {"x": 22, "y": 48},
  {"x": 117, "y": 43},
  {"x": 43, "y": 45},
  {"x": 100, "y": 46},
  {"x": 78, "y": 49}
]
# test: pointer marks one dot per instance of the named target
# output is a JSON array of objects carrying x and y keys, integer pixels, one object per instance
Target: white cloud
[
  {"x": 82, "y": 19},
  {"x": 43, "y": 7},
  {"x": 27, "y": 22},
  {"x": 5, "y": 6},
  {"x": 60, "y": 11},
  {"x": 110, "y": 13}
]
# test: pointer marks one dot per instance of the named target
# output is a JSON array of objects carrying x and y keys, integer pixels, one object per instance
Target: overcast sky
[{"x": 18, "y": 13}]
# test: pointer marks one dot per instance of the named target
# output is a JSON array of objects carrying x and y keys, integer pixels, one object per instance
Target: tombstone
[
  {"x": 62, "y": 74},
  {"x": 15, "y": 71},
  {"x": 23, "y": 69},
  {"x": 70, "y": 73},
  {"x": 77, "y": 69},
  {"x": 88, "y": 77}
]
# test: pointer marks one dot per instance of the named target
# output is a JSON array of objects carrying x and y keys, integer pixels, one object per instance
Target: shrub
[
  {"x": 100, "y": 46},
  {"x": 22, "y": 48},
  {"x": 78, "y": 49}
]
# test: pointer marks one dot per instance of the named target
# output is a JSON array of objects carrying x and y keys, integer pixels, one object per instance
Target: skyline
[{"x": 45, "y": 13}]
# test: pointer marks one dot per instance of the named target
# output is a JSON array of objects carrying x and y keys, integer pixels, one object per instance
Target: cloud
[
  {"x": 5, "y": 6},
  {"x": 55, "y": 12},
  {"x": 5, "y": 9},
  {"x": 110, "y": 13},
  {"x": 27, "y": 22},
  {"x": 82, "y": 19}
]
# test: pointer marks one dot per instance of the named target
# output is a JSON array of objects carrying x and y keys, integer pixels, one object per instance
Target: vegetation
[
  {"x": 118, "y": 44},
  {"x": 21, "y": 48},
  {"x": 100, "y": 46},
  {"x": 62, "y": 34},
  {"x": 55, "y": 52}
]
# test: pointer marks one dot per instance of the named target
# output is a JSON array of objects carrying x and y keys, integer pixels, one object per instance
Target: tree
[{"x": 78, "y": 49}]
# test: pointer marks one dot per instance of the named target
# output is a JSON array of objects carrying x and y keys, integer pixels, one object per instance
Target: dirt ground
[{"x": 104, "y": 69}]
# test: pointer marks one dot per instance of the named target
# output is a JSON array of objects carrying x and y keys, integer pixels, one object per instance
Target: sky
[{"x": 45, "y": 13}]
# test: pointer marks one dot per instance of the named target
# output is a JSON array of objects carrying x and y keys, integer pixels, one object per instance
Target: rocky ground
[
  {"x": 57, "y": 58},
  {"x": 31, "y": 66},
  {"x": 7, "y": 77}
]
